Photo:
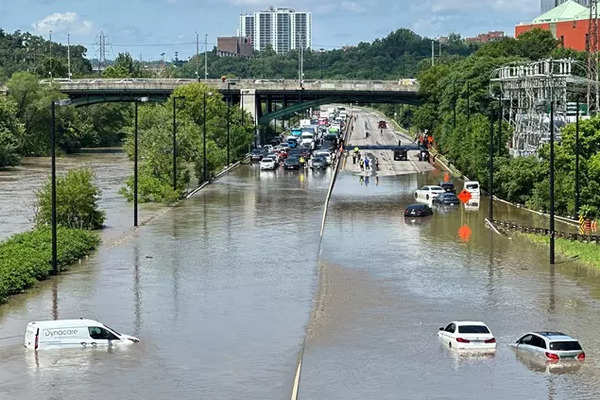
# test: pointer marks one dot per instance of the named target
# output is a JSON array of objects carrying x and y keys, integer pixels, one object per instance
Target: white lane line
[{"x": 296, "y": 381}]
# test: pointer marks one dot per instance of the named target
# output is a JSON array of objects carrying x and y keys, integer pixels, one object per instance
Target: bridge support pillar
[{"x": 251, "y": 103}]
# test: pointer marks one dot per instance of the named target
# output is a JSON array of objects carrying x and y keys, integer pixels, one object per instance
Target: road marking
[{"x": 297, "y": 381}]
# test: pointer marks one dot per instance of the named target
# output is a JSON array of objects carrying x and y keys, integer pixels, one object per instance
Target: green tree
[
  {"x": 11, "y": 133},
  {"x": 76, "y": 201}
]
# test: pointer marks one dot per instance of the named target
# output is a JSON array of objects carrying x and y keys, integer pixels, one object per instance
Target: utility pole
[
  {"x": 552, "y": 235},
  {"x": 53, "y": 184},
  {"x": 69, "y": 55},
  {"x": 577, "y": 188},
  {"x": 432, "y": 53},
  {"x": 197, "y": 56},
  {"x": 204, "y": 172},
  {"x": 51, "y": 63},
  {"x": 491, "y": 178},
  {"x": 206, "y": 57}
]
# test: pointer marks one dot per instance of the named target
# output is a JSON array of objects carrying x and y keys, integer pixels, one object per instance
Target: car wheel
[
  {"x": 426, "y": 197},
  {"x": 450, "y": 344}
]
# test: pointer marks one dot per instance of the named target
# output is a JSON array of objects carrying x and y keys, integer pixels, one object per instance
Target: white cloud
[
  {"x": 353, "y": 6},
  {"x": 63, "y": 22}
]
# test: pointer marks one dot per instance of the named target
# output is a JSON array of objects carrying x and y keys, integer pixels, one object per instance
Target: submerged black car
[
  {"x": 291, "y": 163},
  {"x": 448, "y": 187},
  {"x": 418, "y": 210},
  {"x": 447, "y": 199}
]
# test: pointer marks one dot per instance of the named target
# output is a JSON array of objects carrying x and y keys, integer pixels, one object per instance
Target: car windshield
[
  {"x": 267, "y": 159},
  {"x": 473, "y": 329},
  {"x": 565, "y": 346},
  {"x": 436, "y": 188},
  {"x": 473, "y": 186}
]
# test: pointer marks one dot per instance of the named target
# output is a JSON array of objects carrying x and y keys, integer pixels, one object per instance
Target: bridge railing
[{"x": 403, "y": 85}]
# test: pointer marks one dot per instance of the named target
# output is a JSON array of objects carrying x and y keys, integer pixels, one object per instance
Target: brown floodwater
[{"x": 224, "y": 288}]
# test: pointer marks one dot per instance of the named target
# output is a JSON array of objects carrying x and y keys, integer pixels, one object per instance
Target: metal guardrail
[{"x": 511, "y": 226}]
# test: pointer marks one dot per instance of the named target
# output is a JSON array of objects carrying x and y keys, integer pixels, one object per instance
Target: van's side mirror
[{"x": 441, "y": 328}]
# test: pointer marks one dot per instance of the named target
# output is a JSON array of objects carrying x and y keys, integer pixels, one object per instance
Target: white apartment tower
[{"x": 283, "y": 29}]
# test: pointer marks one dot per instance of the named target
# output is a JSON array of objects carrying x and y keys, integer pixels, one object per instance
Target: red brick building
[
  {"x": 486, "y": 37},
  {"x": 569, "y": 23}
]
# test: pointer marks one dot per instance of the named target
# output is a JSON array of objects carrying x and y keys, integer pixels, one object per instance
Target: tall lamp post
[
  {"x": 229, "y": 84},
  {"x": 60, "y": 103},
  {"x": 204, "y": 167},
  {"x": 175, "y": 98},
  {"x": 135, "y": 160},
  {"x": 577, "y": 188}
]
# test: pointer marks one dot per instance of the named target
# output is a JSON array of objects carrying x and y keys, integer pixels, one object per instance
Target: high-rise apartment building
[
  {"x": 547, "y": 5},
  {"x": 283, "y": 29}
]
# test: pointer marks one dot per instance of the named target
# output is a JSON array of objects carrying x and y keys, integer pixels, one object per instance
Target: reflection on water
[
  {"x": 22, "y": 182},
  {"x": 218, "y": 289},
  {"x": 403, "y": 278}
]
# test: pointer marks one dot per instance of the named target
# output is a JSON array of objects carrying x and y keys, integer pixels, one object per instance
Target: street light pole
[
  {"x": 135, "y": 168},
  {"x": 491, "y": 177},
  {"x": 64, "y": 102},
  {"x": 174, "y": 143},
  {"x": 53, "y": 184},
  {"x": 552, "y": 235},
  {"x": 204, "y": 172},
  {"x": 577, "y": 188},
  {"x": 135, "y": 160}
]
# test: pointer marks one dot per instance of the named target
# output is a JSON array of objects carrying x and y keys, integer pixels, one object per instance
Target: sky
[{"x": 147, "y": 28}]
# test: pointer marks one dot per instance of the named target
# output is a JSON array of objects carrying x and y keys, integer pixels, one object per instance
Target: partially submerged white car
[
  {"x": 468, "y": 335},
  {"x": 428, "y": 193},
  {"x": 550, "y": 346},
  {"x": 71, "y": 333}
]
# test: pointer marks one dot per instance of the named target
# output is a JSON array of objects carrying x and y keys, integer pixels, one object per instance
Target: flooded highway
[
  {"x": 388, "y": 283},
  {"x": 219, "y": 289},
  {"x": 224, "y": 288}
]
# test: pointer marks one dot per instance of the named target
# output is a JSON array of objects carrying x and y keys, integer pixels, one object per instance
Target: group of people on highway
[{"x": 365, "y": 163}]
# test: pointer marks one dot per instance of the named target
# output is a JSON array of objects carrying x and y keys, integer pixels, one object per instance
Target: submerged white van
[{"x": 72, "y": 333}]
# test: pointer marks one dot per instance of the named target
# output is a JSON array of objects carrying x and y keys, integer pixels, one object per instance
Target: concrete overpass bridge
[{"x": 265, "y": 99}]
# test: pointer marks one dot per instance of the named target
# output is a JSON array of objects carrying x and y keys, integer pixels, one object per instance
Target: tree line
[{"x": 524, "y": 180}]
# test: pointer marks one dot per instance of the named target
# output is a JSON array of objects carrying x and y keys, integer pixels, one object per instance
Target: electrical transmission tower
[
  {"x": 101, "y": 43},
  {"x": 592, "y": 47}
]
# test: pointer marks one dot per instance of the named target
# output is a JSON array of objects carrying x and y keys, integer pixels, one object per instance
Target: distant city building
[
  {"x": 486, "y": 37},
  {"x": 547, "y": 5},
  {"x": 568, "y": 23},
  {"x": 283, "y": 29},
  {"x": 234, "y": 46}
]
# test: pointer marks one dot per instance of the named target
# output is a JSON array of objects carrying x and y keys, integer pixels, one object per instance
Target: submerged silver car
[{"x": 550, "y": 346}]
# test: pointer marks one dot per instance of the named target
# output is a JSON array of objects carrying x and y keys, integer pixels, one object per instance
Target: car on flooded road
[
  {"x": 291, "y": 163},
  {"x": 418, "y": 210},
  {"x": 550, "y": 347},
  {"x": 268, "y": 163},
  {"x": 257, "y": 155},
  {"x": 446, "y": 199},
  {"x": 427, "y": 193},
  {"x": 318, "y": 163},
  {"x": 467, "y": 335},
  {"x": 69, "y": 333}
]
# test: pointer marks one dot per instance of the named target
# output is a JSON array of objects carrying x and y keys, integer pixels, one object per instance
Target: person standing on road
[
  {"x": 354, "y": 158},
  {"x": 362, "y": 164},
  {"x": 367, "y": 163}
]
